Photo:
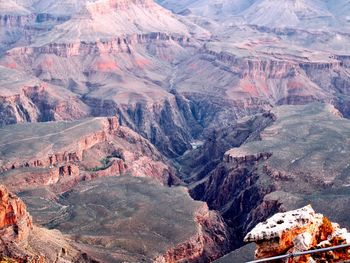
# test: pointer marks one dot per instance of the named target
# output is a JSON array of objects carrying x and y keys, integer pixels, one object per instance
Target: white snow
[{"x": 282, "y": 222}]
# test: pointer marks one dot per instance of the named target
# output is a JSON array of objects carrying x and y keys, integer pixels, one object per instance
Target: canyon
[
  {"x": 165, "y": 131},
  {"x": 72, "y": 165},
  {"x": 287, "y": 167},
  {"x": 119, "y": 205}
]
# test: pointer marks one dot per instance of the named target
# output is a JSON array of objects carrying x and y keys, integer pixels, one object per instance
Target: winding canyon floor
[{"x": 115, "y": 116}]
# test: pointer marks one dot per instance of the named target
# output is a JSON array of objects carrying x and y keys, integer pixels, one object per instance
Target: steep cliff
[
  {"x": 55, "y": 144},
  {"x": 15, "y": 227},
  {"x": 236, "y": 192},
  {"x": 15, "y": 222},
  {"x": 268, "y": 78}
]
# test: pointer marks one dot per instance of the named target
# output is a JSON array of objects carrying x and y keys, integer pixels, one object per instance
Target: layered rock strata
[
  {"x": 25, "y": 98},
  {"x": 66, "y": 153},
  {"x": 63, "y": 150}
]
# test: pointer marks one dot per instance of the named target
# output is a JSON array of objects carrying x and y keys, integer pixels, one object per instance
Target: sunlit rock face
[
  {"x": 296, "y": 231},
  {"x": 15, "y": 222}
]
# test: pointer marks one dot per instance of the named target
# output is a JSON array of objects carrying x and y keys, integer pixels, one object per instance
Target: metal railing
[{"x": 298, "y": 254}]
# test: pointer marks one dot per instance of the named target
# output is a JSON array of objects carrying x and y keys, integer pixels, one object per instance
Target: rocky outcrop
[
  {"x": 16, "y": 109},
  {"x": 15, "y": 222},
  {"x": 270, "y": 68},
  {"x": 21, "y": 241},
  {"x": 272, "y": 173},
  {"x": 297, "y": 231},
  {"x": 15, "y": 227},
  {"x": 65, "y": 154},
  {"x": 61, "y": 164},
  {"x": 235, "y": 157},
  {"x": 115, "y": 167}
]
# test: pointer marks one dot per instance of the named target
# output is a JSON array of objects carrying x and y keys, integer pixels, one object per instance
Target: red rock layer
[{"x": 15, "y": 222}]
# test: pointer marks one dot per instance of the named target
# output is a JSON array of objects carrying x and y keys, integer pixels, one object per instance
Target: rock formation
[
  {"x": 123, "y": 206},
  {"x": 15, "y": 222},
  {"x": 66, "y": 147},
  {"x": 198, "y": 162},
  {"x": 15, "y": 227},
  {"x": 299, "y": 230}
]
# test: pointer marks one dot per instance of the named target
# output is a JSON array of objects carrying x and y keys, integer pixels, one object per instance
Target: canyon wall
[{"x": 233, "y": 189}]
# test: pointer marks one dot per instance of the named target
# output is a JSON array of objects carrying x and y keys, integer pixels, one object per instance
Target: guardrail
[{"x": 298, "y": 254}]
